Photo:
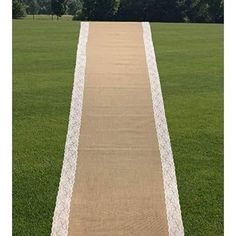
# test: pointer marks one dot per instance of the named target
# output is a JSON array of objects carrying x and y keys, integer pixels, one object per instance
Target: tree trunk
[
  {"x": 57, "y": 17},
  {"x": 52, "y": 16},
  {"x": 33, "y": 16}
]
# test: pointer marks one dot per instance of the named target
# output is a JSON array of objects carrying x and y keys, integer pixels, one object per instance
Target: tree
[
  {"x": 44, "y": 7},
  {"x": 41, "y": 6},
  {"x": 73, "y": 6},
  {"x": 131, "y": 10},
  {"x": 216, "y": 10},
  {"x": 99, "y": 10},
  {"x": 195, "y": 10},
  {"x": 58, "y": 8},
  {"x": 18, "y": 9},
  {"x": 33, "y": 8},
  {"x": 150, "y": 10},
  {"x": 163, "y": 10},
  {"x": 138, "y": 10}
]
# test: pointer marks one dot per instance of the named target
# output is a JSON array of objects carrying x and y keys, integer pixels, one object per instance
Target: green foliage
[
  {"x": 195, "y": 10},
  {"x": 152, "y": 10},
  {"x": 163, "y": 10},
  {"x": 79, "y": 14},
  {"x": 99, "y": 10},
  {"x": 202, "y": 10},
  {"x": 45, "y": 6},
  {"x": 133, "y": 10},
  {"x": 18, "y": 9},
  {"x": 73, "y": 6},
  {"x": 33, "y": 7},
  {"x": 58, "y": 7},
  {"x": 216, "y": 11}
]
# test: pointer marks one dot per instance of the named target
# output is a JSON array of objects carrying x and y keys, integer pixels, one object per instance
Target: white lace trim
[
  {"x": 175, "y": 225},
  {"x": 62, "y": 210}
]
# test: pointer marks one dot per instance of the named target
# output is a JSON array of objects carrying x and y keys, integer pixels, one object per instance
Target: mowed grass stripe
[
  {"x": 43, "y": 62},
  {"x": 190, "y": 63}
]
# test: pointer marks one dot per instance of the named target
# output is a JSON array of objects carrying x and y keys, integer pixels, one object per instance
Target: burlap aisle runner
[{"x": 118, "y": 175}]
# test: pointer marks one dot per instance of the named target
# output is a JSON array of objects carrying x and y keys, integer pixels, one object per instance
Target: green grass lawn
[
  {"x": 190, "y": 60},
  {"x": 43, "y": 67}
]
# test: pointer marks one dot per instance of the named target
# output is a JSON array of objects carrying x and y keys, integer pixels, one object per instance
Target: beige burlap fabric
[{"x": 118, "y": 188}]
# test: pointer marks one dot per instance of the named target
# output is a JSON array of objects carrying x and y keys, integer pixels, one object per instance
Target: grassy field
[
  {"x": 190, "y": 59},
  {"x": 43, "y": 63},
  {"x": 190, "y": 62}
]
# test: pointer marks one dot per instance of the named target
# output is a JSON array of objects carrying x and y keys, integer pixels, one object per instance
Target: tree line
[{"x": 125, "y": 10}]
